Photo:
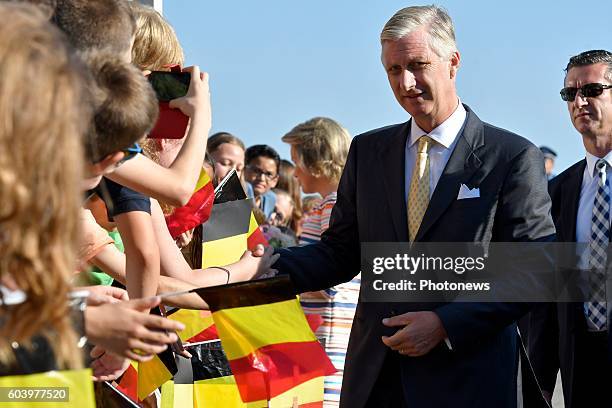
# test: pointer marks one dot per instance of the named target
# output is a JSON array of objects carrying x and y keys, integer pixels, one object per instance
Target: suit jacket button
[{"x": 393, "y": 312}]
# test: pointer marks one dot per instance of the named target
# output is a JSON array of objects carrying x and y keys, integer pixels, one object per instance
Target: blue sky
[{"x": 274, "y": 64}]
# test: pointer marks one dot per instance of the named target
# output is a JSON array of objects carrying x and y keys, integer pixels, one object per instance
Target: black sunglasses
[{"x": 588, "y": 91}]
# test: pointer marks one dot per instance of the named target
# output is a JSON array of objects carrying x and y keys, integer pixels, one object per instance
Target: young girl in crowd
[
  {"x": 227, "y": 153},
  {"x": 288, "y": 183},
  {"x": 319, "y": 148}
]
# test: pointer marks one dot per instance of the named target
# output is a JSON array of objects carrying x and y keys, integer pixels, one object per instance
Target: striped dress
[{"x": 335, "y": 305}]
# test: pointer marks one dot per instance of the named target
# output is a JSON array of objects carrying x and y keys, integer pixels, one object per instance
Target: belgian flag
[
  {"x": 207, "y": 381},
  {"x": 142, "y": 378},
  {"x": 272, "y": 352},
  {"x": 196, "y": 211},
  {"x": 199, "y": 325},
  {"x": 229, "y": 232}
]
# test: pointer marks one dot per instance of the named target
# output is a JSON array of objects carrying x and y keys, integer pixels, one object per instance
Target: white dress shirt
[
  {"x": 585, "y": 210},
  {"x": 445, "y": 137}
]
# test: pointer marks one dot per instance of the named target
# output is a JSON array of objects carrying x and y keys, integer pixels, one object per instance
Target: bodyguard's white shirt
[
  {"x": 585, "y": 210},
  {"x": 587, "y": 196},
  {"x": 445, "y": 137}
]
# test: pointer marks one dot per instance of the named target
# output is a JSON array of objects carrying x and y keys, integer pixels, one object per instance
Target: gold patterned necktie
[{"x": 418, "y": 195}]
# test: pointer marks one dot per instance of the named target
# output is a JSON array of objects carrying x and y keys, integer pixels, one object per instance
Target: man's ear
[
  {"x": 107, "y": 164},
  {"x": 455, "y": 60}
]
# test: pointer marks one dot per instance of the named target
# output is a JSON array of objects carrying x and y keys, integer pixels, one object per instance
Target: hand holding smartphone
[{"x": 179, "y": 99}]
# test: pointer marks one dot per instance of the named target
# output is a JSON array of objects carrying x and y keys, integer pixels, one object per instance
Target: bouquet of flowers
[{"x": 279, "y": 237}]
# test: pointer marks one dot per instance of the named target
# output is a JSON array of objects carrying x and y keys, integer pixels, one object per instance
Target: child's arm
[
  {"x": 131, "y": 211},
  {"x": 174, "y": 264},
  {"x": 175, "y": 185},
  {"x": 112, "y": 261},
  {"x": 141, "y": 253}
]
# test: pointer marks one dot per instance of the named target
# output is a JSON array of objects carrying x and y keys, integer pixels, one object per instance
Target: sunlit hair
[
  {"x": 155, "y": 47},
  {"x": 155, "y": 43},
  {"x": 592, "y": 57},
  {"x": 42, "y": 115},
  {"x": 434, "y": 19},
  {"x": 290, "y": 185},
  {"x": 220, "y": 138},
  {"x": 321, "y": 145}
]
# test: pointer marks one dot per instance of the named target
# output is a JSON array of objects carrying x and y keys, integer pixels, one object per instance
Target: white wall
[{"x": 156, "y": 4}]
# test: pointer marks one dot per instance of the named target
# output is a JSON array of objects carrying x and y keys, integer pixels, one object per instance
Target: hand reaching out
[
  {"x": 254, "y": 265},
  {"x": 128, "y": 330},
  {"x": 101, "y": 294},
  {"x": 107, "y": 366}
]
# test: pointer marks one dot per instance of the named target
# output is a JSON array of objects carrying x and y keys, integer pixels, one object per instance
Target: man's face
[
  {"x": 423, "y": 83},
  {"x": 262, "y": 173},
  {"x": 590, "y": 116}
]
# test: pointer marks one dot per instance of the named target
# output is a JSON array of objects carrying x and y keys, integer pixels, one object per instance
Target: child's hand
[
  {"x": 197, "y": 100},
  {"x": 256, "y": 264}
]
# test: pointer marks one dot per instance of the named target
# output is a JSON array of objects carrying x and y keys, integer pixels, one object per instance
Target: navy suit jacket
[{"x": 480, "y": 371}]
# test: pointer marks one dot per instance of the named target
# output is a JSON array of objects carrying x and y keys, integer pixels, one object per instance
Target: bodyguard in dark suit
[
  {"x": 443, "y": 176},
  {"x": 574, "y": 337}
]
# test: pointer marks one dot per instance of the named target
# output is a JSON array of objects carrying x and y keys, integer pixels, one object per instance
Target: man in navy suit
[
  {"x": 443, "y": 176},
  {"x": 574, "y": 337}
]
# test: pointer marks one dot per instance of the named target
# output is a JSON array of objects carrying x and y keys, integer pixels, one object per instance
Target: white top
[{"x": 445, "y": 136}]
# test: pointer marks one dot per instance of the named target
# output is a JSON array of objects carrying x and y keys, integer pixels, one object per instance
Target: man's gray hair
[
  {"x": 435, "y": 20},
  {"x": 592, "y": 57}
]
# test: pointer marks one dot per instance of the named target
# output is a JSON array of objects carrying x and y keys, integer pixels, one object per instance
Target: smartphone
[
  {"x": 169, "y": 85},
  {"x": 171, "y": 123}
]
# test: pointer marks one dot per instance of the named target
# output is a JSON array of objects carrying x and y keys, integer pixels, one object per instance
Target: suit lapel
[
  {"x": 392, "y": 156},
  {"x": 460, "y": 167},
  {"x": 570, "y": 197}
]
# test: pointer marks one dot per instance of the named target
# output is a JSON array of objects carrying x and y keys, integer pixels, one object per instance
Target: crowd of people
[
  {"x": 85, "y": 250},
  {"x": 87, "y": 192}
]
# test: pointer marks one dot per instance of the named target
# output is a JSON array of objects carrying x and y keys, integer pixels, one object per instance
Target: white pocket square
[{"x": 465, "y": 192}]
